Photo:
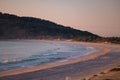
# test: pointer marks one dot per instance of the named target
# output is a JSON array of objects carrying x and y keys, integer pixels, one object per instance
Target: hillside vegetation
[
  {"x": 12, "y": 27},
  {"x": 16, "y": 27}
]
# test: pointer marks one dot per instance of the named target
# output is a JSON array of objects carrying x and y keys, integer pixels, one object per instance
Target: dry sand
[{"x": 107, "y": 57}]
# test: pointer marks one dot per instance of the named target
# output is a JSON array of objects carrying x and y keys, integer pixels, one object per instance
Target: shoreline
[{"x": 103, "y": 50}]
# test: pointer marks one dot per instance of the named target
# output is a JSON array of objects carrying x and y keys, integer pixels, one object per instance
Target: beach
[{"x": 107, "y": 57}]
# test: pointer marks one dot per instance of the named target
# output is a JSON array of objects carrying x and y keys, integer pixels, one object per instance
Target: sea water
[{"x": 16, "y": 54}]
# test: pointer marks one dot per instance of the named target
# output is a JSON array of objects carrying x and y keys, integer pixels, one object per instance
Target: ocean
[{"x": 16, "y": 54}]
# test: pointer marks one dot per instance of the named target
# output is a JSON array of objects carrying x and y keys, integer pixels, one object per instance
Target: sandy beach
[{"x": 107, "y": 57}]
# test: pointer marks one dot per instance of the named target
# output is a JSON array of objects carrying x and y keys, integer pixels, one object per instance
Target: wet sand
[{"x": 107, "y": 57}]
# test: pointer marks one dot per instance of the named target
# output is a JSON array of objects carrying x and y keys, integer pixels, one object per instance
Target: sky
[{"x": 101, "y": 17}]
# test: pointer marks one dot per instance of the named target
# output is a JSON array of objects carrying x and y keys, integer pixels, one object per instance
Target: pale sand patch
[{"x": 103, "y": 49}]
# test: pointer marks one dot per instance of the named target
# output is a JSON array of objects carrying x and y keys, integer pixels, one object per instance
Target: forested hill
[{"x": 15, "y": 27}]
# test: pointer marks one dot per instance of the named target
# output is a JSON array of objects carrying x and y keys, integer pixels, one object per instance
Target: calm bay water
[{"x": 24, "y": 53}]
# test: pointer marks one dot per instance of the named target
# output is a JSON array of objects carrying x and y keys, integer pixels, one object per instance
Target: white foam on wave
[
  {"x": 5, "y": 61},
  {"x": 63, "y": 60},
  {"x": 49, "y": 53},
  {"x": 9, "y": 61}
]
